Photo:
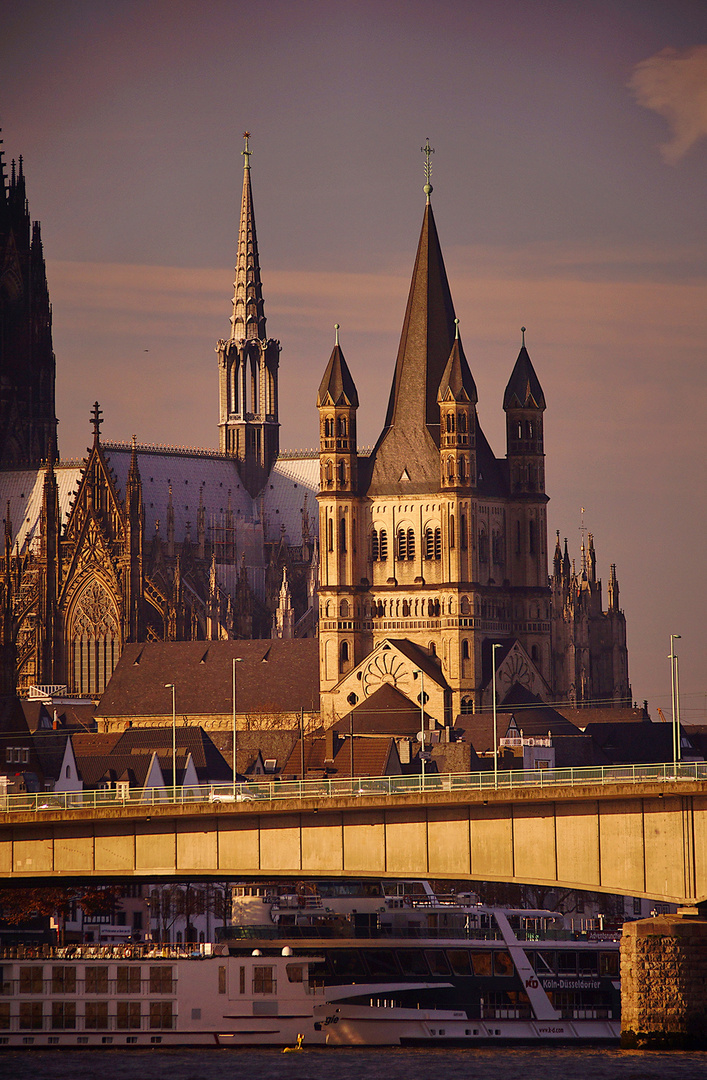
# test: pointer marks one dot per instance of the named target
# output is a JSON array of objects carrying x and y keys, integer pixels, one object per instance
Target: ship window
[
  {"x": 346, "y": 962},
  {"x": 549, "y": 960},
  {"x": 412, "y": 962},
  {"x": 160, "y": 1014},
  {"x": 380, "y": 961},
  {"x": 128, "y": 1014},
  {"x": 437, "y": 961},
  {"x": 588, "y": 963},
  {"x": 4, "y": 1015},
  {"x": 161, "y": 980},
  {"x": 31, "y": 1014},
  {"x": 609, "y": 964},
  {"x": 242, "y": 981},
  {"x": 63, "y": 980},
  {"x": 263, "y": 980},
  {"x": 96, "y": 980},
  {"x": 459, "y": 961},
  {"x": 222, "y": 979},
  {"x": 31, "y": 980},
  {"x": 96, "y": 1014},
  {"x": 63, "y": 1014},
  {"x": 482, "y": 962},
  {"x": 128, "y": 980},
  {"x": 295, "y": 973},
  {"x": 566, "y": 963},
  {"x": 502, "y": 963}
]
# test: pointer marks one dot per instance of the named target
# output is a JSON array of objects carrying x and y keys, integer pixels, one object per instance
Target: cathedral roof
[
  {"x": 410, "y": 439},
  {"x": 524, "y": 390},
  {"x": 337, "y": 386}
]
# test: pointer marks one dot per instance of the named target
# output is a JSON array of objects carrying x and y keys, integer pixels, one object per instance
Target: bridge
[{"x": 638, "y": 831}]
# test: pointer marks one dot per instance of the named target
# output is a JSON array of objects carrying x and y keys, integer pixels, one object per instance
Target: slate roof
[
  {"x": 337, "y": 382},
  {"x": 273, "y": 676},
  {"x": 523, "y": 389},
  {"x": 372, "y": 757},
  {"x": 189, "y": 740},
  {"x": 385, "y": 711},
  {"x": 457, "y": 378}
]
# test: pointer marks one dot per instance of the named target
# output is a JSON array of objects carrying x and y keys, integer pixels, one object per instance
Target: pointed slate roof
[
  {"x": 337, "y": 383},
  {"x": 457, "y": 379},
  {"x": 410, "y": 438},
  {"x": 248, "y": 319},
  {"x": 524, "y": 390}
]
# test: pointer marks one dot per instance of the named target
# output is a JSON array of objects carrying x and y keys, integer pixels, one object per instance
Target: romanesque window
[
  {"x": 341, "y": 426},
  {"x": 465, "y": 649},
  {"x": 467, "y": 705},
  {"x": 411, "y": 544},
  {"x": 531, "y": 537},
  {"x": 406, "y": 544},
  {"x": 483, "y": 547},
  {"x": 341, "y": 472},
  {"x": 451, "y": 530},
  {"x": 328, "y": 429},
  {"x": 462, "y": 470},
  {"x": 375, "y": 546},
  {"x": 462, "y": 422},
  {"x": 342, "y": 534},
  {"x": 429, "y": 543},
  {"x": 94, "y": 639},
  {"x": 383, "y": 545},
  {"x": 438, "y": 543},
  {"x": 330, "y": 534}
]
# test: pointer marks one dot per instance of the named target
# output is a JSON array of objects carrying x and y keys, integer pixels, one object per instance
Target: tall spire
[{"x": 248, "y": 318}]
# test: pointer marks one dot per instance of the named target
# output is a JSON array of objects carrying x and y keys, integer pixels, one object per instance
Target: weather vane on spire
[
  {"x": 427, "y": 151},
  {"x": 246, "y": 152},
  {"x": 96, "y": 420}
]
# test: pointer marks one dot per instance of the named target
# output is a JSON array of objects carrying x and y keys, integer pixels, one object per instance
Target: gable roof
[{"x": 272, "y": 677}]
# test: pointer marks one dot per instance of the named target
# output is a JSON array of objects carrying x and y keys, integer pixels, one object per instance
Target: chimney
[{"x": 331, "y": 745}]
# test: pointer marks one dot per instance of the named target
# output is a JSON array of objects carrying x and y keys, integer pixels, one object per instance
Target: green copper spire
[{"x": 427, "y": 151}]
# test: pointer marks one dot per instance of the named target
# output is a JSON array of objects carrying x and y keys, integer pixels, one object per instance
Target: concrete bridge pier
[{"x": 664, "y": 982}]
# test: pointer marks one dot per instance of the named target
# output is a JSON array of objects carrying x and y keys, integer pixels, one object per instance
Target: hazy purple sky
[{"x": 569, "y": 191}]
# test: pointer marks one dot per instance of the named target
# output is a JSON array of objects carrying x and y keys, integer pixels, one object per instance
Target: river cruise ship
[{"x": 335, "y": 963}]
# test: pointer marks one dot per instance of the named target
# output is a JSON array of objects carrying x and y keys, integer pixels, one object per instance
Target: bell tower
[{"x": 248, "y": 361}]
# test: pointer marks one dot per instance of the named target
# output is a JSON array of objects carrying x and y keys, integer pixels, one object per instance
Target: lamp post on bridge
[
  {"x": 236, "y": 660},
  {"x": 171, "y": 686},
  {"x": 675, "y": 701},
  {"x": 495, "y": 720}
]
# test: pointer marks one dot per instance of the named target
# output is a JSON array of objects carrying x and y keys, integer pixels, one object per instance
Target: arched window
[
  {"x": 402, "y": 544},
  {"x": 429, "y": 543},
  {"x": 406, "y": 609},
  {"x": 465, "y": 609},
  {"x": 529, "y": 429},
  {"x": 375, "y": 547},
  {"x": 94, "y": 639},
  {"x": 438, "y": 543},
  {"x": 450, "y": 468},
  {"x": 330, "y": 534},
  {"x": 383, "y": 543},
  {"x": 462, "y": 532},
  {"x": 465, "y": 649},
  {"x": 531, "y": 537},
  {"x": 462, "y": 422},
  {"x": 483, "y": 547},
  {"x": 451, "y": 530},
  {"x": 342, "y": 534},
  {"x": 341, "y": 469},
  {"x": 519, "y": 431},
  {"x": 462, "y": 470},
  {"x": 467, "y": 705},
  {"x": 534, "y": 653},
  {"x": 344, "y": 652},
  {"x": 411, "y": 544},
  {"x": 328, "y": 428},
  {"x": 450, "y": 422},
  {"x": 328, "y": 473},
  {"x": 344, "y": 609},
  {"x": 342, "y": 425}
]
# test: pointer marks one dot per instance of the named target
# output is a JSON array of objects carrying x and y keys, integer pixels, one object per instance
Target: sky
[{"x": 570, "y": 142}]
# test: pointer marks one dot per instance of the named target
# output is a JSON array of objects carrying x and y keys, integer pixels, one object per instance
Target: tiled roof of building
[
  {"x": 272, "y": 677},
  {"x": 523, "y": 389},
  {"x": 337, "y": 384},
  {"x": 385, "y": 711},
  {"x": 371, "y": 757}
]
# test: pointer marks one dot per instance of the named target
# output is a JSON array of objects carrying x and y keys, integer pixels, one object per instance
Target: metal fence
[{"x": 258, "y": 792}]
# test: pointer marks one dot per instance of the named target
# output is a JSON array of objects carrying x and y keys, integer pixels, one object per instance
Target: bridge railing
[{"x": 359, "y": 787}]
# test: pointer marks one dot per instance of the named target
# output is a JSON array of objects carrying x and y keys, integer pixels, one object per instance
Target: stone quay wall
[{"x": 664, "y": 983}]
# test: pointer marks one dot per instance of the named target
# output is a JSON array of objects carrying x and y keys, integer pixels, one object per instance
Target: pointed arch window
[{"x": 94, "y": 639}]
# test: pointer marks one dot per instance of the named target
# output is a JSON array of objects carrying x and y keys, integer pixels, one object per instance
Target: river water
[{"x": 534, "y": 1063}]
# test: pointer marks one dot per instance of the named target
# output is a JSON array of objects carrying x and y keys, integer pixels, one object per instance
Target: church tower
[
  {"x": 433, "y": 550},
  {"x": 248, "y": 361},
  {"x": 27, "y": 412}
]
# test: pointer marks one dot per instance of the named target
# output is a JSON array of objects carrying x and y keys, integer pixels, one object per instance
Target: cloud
[{"x": 674, "y": 84}]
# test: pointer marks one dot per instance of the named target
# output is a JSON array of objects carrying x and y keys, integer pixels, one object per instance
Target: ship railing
[
  {"x": 140, "y": 951},
  {"x": 357, "y": 788}
]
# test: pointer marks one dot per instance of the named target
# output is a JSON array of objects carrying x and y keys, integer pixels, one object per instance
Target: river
[{"x": 527, "y": 1063}]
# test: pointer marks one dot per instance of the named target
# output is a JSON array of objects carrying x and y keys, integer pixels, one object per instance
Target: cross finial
[
  {"x": 522, "y": 330},
  {"x": 456, "y": 329},
  {"x": 336, "y": 329},
  {"x": 427, "y": 151},
  {"x": 246, "y": 152},
  {"x": 96, "y": 420}
]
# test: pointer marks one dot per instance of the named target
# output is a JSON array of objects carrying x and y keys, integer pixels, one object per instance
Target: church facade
[{"x": 434, "y": 559}]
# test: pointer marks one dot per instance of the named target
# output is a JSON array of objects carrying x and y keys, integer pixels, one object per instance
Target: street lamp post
[
  {"x": 495, "y": 719},
  {"x": 674, "y": 701},
  {"x": 236, "y": 660},
  {"x": 171, "y": 686},
  {"x": 422, "y": 725}
]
